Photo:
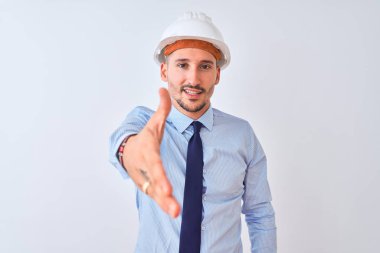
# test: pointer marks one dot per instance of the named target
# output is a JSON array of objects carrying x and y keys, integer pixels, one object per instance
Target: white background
[{"x": 304, "y": 73}]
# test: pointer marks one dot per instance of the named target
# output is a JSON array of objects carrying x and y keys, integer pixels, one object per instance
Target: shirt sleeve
[
  {"x": 257, "y": 207},
  {"x": 133, "y": 124}
]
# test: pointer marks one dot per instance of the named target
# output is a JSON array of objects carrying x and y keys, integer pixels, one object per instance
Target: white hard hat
[{"x": 193, "y": 25}]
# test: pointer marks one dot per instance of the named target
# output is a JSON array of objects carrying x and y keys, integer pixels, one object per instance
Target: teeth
[{"x": 192, "y": 92}]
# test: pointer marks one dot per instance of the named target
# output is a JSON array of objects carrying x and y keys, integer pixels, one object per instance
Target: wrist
[{"x": 122, "y": 150}]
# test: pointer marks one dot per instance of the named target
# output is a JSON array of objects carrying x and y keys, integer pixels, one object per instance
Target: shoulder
[
  {"x": 142, "y": 110},
  {"x": 242, "y": 132},
  {"x": 228, "y": 119},
  {"x": 233, "y": 124},
  {"x": 140, "y": 113}
]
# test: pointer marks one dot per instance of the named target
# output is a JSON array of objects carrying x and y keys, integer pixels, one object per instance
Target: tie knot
[{"x": 197, "y": 126}]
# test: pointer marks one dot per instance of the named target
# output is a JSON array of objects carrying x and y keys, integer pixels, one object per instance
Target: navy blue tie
[{"x": 190, "y": 237}]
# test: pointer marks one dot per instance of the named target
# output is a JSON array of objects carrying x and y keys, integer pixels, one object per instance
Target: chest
[{"x": 225, "y": 163}]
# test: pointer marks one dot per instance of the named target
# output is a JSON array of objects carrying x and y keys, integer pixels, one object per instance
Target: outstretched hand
[{"x": 143, "y": 162}]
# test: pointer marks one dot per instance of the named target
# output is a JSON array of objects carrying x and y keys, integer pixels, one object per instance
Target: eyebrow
[{"x": 187, "y": 60}]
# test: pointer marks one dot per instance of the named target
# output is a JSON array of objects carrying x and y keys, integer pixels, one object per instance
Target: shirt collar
[{"x": 182, "y": 122}]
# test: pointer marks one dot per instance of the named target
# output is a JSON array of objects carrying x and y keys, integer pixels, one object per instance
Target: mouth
[{"x": 192, "y": 91}]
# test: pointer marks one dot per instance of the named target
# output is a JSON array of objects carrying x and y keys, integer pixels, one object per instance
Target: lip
[{"x": 192, "y": 93}]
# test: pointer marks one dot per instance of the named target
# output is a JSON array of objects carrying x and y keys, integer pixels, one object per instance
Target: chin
[{"x": 193, "y": 108}]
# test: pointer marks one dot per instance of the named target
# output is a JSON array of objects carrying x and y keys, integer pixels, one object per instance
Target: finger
[
  {"x": 165, "y": 200},
  {"x": 164, "y": 107},
  {"x": 156, "y": 173},
  {"x": 157, "y": 121},
  {"x": 174, "y": 207},
  {"x": 140, "y": 177},
  {"x": 168, "y": 205}
]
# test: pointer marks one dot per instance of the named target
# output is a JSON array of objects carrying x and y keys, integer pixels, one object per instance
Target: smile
[{"x": 192, "y": 91}]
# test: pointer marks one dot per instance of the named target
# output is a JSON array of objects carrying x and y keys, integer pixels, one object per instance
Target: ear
[
  {"x": 164, "y": 72},
  {"x": 217, "y": 75}
]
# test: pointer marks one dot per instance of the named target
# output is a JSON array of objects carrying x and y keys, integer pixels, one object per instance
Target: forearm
[
  {"x": 262, "y": 228},
  {"x": 123, "y": 154},
  {"x": 116, "y": 140}
]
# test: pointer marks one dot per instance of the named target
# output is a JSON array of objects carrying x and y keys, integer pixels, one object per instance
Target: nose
[{"x": 193, "y": 76}]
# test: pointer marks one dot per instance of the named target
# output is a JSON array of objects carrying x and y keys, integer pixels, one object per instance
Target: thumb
[
  {"x": 163, "y": 109},
  {"x": 157, "y": 121}
]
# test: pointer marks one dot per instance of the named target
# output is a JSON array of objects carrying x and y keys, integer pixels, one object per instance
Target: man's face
[{"x": 191, "y": 75}]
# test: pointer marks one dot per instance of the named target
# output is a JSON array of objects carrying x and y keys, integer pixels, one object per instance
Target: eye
[
  {"x": 205, "y": 66},
  {"x": 182, "y": 65}
]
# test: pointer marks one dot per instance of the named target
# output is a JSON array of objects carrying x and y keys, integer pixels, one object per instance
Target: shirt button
[
  {"x": 204, "y": 171},
  {"x": 204, "y": 197},
  {"x": 203, "y": 227}
]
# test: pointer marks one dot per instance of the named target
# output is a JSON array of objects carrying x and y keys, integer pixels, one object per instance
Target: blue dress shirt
[{"x": 234, "y": 182}]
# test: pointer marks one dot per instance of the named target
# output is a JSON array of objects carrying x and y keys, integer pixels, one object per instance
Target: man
[{"x": 193, "y": 164}]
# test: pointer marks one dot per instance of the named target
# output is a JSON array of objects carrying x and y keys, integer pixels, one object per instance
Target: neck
[{"x": 193, "y": 115}]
